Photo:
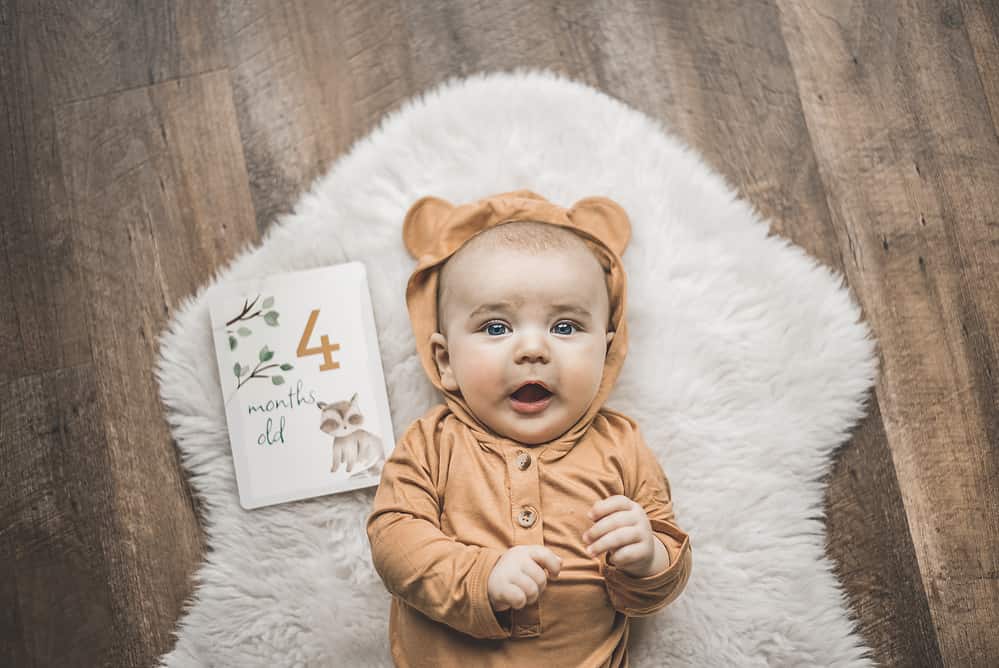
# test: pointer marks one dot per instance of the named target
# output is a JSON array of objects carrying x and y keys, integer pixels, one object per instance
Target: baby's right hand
[{"x": 519, "y": 576}]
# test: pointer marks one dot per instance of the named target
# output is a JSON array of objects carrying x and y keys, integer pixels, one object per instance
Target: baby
[{"x": 522, "y": 522}]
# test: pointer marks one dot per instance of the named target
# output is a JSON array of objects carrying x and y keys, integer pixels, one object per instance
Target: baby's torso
[{"x": 504, "y": 496}]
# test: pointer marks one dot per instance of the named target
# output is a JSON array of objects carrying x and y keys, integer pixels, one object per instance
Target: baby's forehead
[
  {"x": 475, "y": 296},
  {"x": 471, "y": 259},
  {"x": 481, "y": 280}
]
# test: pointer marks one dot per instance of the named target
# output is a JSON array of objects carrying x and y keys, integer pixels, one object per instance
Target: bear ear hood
[{"x": 434, "y": 229}]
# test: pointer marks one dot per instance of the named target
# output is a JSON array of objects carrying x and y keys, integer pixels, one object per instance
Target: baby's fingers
[
  {"x": 528, "y": 588},
  {"x": 548, "y": 560},
  {"x": 615, "y": 540},
  {"x": 500, "y": 603},
  {"x": 511, "y": 596}
]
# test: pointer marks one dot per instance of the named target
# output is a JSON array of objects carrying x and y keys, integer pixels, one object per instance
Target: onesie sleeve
[
  {"x": 432, "y": 572},
  {"x": 643, "y": 596}
]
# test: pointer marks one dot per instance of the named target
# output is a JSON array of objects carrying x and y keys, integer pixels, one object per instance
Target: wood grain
[
  {"x": 47, "y": 328},
  {"x": 58, "y": 516},
  {"x": 146, "y": 143},
  {"x": 913, "y": 181},
  {"x": 158, "y": 197}
]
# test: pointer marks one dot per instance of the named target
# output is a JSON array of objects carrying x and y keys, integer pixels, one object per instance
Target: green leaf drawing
[
  {"x": 244, "y": 369},
  {"x": 286, "y": 367},
  {"x": 244, "y": 331},
  {"x": 232, "y": 342},
  {"x": 268, "y": 303},
  {"x": 237, "y": 370},
  {"x": 271, "y": 318}
]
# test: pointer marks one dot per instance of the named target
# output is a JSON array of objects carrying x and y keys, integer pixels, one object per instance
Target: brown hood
[{"x": 434, "y": 229}]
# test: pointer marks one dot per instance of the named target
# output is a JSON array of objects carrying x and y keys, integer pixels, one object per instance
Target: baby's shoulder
[
  {"x": 426, "y": 427},
  {"x": 435, "y": 415},
  {"x": 618, "y": 422}
]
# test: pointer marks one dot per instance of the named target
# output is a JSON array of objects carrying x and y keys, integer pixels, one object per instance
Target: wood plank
[
  {"x": 908, "y": 153},
  {"x": 867, "y": 537},
  {"x": 85, "y": 49},
  {"x": 52, "y": 52},
  {"x": 55, "y": 526},
  {"x": 157, "y": 199},
  {"x": 981, "y": 21},
  {"x": 44, "y": 325}
]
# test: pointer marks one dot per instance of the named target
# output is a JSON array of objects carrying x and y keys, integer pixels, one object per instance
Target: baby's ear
[
  {"x": 422, "y": 225},
  {"x": 605, "y": 219},
  {"x": 438, "y": 347}
]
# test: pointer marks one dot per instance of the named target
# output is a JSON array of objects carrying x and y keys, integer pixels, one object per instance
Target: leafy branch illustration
[
  {"x": 271, "y": 318},
  {"x": 244, "y": 374}
]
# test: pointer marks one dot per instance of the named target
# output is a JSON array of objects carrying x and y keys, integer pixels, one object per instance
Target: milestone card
[{"x": 302, "y": 381}]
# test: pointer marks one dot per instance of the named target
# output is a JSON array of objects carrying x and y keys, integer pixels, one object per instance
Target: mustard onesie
[{"x": 454, "y": 497}]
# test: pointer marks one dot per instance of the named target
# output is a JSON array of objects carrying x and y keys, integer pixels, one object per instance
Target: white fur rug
[{"x": 748, "y": 365}]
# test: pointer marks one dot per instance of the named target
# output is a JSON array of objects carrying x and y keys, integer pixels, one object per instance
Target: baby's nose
[
  {"x": 533, "y": 356},
  {"x": 533, "y": 348}
]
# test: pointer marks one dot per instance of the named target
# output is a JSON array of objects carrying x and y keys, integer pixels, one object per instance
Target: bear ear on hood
[
  {"x": 423, "y": 223},
  {"x": 603, "y": 218}
]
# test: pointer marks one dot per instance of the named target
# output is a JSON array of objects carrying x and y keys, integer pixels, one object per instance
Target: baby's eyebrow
[
  {"x": 495, "y": 306},
  {"x": 572, "y": 308},
  {"x": 508, "y": 305}
]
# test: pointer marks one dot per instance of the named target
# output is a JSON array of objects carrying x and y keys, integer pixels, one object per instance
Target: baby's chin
[
  {"x": 532, "y": 431},
  {"x": 532, "y": 438},
  {"x": 526, "y": 440}
]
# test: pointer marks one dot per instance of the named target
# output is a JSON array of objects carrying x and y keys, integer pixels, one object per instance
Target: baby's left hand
[{"x": 621, "y": 528}]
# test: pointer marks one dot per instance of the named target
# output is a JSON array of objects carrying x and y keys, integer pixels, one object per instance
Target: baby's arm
[
  {"x": 432, "y": 572},
  {"x": 643, "y": 596}
]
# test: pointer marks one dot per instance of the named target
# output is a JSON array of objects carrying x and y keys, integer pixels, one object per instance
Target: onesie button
[
  {"x": 527, "y": 517},
  {"x": 523, "y": 460}
]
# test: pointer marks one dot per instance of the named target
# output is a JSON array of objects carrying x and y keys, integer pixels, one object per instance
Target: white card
[{"x": 307, "y": 400}]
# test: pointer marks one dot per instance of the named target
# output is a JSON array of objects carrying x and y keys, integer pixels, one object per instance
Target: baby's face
[{"x": 514, "y": 317}]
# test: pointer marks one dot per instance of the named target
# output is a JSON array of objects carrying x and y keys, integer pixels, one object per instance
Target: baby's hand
[
  {"x": 519, "y": 576},
  {"x": 626, "y": 534}
]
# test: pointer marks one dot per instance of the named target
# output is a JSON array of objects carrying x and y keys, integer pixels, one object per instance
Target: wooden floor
[{"x": 141, "y": 147}]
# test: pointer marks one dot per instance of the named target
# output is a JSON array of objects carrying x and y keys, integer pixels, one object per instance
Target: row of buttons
[
  {"x": 528, "y": 515},
  {"x": 525, "y": 491}
]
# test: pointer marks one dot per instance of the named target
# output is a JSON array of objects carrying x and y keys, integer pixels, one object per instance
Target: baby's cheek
[
  {"x": 481, "y": 376},
  {"x": 583, "y": 377}
]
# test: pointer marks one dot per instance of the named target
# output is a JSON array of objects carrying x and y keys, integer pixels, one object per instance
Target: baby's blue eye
[
  {"x": 494, "y": 324},
  {"x": 566, "y": 324}
]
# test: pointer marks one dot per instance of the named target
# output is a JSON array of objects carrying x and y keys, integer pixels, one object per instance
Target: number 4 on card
[{"x": 325, "y": 349}]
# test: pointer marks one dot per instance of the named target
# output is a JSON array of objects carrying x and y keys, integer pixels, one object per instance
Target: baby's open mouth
[{"x": 530, "y": 393}]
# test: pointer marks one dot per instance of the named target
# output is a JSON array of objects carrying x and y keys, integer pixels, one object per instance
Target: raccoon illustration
[{"x": 359, "y": 449}]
